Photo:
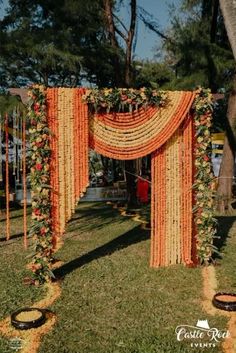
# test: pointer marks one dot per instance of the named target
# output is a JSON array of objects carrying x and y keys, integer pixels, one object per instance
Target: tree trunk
[
  {"x": 129, "y": 43},
  {"x": 113, "y": 40},
  {"x": 127, "y": 36},
  {"x": 227, "y": 166},
  {"x": 214, "y": 20},
  {"x": 228, "y": 8}
]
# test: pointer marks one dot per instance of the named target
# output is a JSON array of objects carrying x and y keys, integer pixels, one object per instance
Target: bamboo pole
[
  {"x": 7, "y": 181},
  {"x": 18, "y": 148},
  {"x": 24, "y": 182},
  {"x": 14, "y": 141},
  {"x": 1, "y": 178}
]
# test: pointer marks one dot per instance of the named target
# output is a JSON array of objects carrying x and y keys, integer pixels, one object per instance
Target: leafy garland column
[
  {"x": 39, "y": 159},
  {"x": 204, "y": 183}
]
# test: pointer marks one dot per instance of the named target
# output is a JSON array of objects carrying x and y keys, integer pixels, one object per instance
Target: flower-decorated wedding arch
[{"x": 172, "y": 126}]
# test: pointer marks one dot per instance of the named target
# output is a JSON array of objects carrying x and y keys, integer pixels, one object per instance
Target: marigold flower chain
[{"x": 39, "y": 159}]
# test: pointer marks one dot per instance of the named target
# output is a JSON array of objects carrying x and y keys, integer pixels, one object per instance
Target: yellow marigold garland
[
  {"x": 40, "y": 185},
  {"x": 204, "y": 184}
]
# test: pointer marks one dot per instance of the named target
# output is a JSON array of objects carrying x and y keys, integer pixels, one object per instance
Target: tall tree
[
  {"x": 117, "y": 29},
  {"x": 56, "y": 43},
  {"x": 228, "y": 8},
  {"x": 199, "y": 51},
  {"x": 200, "y": 54}
]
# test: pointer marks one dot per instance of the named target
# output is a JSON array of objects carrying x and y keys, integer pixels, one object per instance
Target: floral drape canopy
[{"x": 172, "y": 126}]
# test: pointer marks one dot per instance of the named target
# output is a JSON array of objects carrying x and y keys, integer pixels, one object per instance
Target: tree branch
[
  {"x": 120, "y": 22},
  {"x": 121, "y": 34},
  {"x": 110, "y": 22},
  {"x": 151, "y": 24}
]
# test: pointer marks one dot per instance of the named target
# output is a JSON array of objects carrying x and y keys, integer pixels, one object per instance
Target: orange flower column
[
  {"x": 68, "y": 122},
  {"x": 54, "y": 163},
  {"x": 172, "y": 194}
]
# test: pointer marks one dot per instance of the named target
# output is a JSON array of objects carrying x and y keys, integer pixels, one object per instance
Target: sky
[{"x": 148, "y": 41}]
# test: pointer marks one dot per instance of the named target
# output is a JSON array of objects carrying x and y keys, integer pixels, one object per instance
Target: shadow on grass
[
  {"x": 133, "y": 236},
  {"x": 14, "y": 236},
  {"x": 224, "y": 226},
  {"x": 96, "y": 217},
  {"x": 13, "y": 205},
  {"x": 14, "y": 217}
]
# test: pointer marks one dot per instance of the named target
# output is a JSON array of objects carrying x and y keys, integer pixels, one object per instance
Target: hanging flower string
[
  {"x": 124, "y": 99},
  {"x": 204, "y": 184},
  {"x": 40, "y": 189}
]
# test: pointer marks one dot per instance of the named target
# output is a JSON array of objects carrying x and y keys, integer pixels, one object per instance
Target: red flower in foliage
[
  {"x": 123, "y": 97},
  {"x": 36, "y": 107},
  {"x": 33, "y": 122},
  {"x": 38, "y": 166},
  {"x": 43, "y": 231},
  {"x": 206, "y": 158},
  {"x": 37, "y": 212}
]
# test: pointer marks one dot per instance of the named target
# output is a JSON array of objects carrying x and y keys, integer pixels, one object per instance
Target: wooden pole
[
  {"x": 1, "y": 173},
  {"x": 24, "y": 182},
  {"x": 7, "y": 181}
]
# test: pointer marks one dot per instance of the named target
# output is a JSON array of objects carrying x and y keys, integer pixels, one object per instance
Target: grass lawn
[
  {"x": 111, "y": 300},
  {"x": 13, "y": 294},
  {"x": 226, "y": 271}
]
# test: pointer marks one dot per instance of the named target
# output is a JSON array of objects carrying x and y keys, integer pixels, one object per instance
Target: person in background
[{"x": 142, "y": 189}]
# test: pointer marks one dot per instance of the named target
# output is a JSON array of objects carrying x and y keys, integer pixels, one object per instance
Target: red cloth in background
[{"x": 142, "y": 190}]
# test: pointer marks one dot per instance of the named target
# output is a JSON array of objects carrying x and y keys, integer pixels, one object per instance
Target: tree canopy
[
  {"x": 199, "y": 51},
  {"x": 56, "y": 43}
]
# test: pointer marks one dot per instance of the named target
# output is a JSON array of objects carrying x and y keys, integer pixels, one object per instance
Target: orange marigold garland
[
  {"x": 54, "y": 165},
  {"x": 204, "y": 184},
  {"x": 40, "y": 185}
]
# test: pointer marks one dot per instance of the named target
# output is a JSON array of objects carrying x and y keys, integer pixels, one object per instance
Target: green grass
[
  {"x": 227, "y": 243},
  {"x": 111, "y": 301},
  {"x": 13, "y": 293}
]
